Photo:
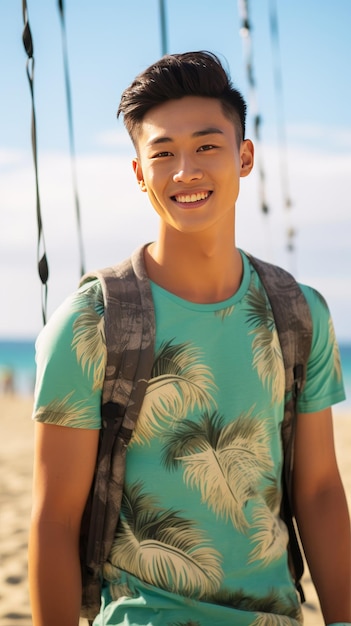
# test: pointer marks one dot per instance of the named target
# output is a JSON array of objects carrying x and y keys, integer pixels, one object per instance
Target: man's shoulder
[
  {"x": 278, "y": 282},
  {"x": 276, "y": 276},
  {"x": 269, "y": 269},
  {"x": 86, "y": 300}
]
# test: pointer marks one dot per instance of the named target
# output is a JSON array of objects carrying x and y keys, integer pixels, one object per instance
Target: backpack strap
[
  {"x": 294, "y": 326},
  {"x": 130, "y": 333}
]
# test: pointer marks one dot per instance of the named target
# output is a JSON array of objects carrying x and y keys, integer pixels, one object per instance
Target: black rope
[
  {"x": 245, "y": 32},
  {"x": 71, "y": 134},
  {"x": 43, "y": 268},
  {"x": 278, "y": 82},
  {"x": 163, "y": 22}
]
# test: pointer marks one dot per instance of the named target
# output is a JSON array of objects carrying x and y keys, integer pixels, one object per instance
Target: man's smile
[{"x": 190, "y": 198}]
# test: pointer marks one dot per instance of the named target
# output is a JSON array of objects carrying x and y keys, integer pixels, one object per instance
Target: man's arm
[
  {"x": 322, "y": 514},
  {"x": 64, "y": 464}
]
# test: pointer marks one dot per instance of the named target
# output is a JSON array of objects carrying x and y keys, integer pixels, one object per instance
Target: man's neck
[{"x": 196, "y": 269}]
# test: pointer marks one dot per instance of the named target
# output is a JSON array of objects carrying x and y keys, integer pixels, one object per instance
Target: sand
[{"x": 16, "y": 448}]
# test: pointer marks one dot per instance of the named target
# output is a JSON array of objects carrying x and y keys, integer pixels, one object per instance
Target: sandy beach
[{"x": 16, "y": 448}]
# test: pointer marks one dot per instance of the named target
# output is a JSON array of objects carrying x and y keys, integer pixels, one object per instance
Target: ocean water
[
  {"x": 345, "y": 353},
  {"x": 17, "y": 364}
]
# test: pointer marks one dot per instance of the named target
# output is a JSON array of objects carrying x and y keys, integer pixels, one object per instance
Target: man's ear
[
  {"x": 246, "y": 157},
  {"x": 138, "y": 173}
]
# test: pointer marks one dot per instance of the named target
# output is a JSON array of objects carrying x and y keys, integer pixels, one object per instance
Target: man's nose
[{"x": 187, "y": 170}]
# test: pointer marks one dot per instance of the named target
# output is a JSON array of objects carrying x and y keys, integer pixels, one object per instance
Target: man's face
[{"x": 190, "y": 163}]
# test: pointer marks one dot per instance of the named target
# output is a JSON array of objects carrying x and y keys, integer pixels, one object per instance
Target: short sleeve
[
  {"x": 324, "y": 384},
  {"x": 71, "y": 360}
]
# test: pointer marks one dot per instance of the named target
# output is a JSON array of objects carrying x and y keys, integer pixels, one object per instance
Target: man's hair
[{"x": 175, "y": 76}]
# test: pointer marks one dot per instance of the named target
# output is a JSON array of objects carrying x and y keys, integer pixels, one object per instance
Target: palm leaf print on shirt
[
  {"x": 268, "y": 359},
  {"x": 225, "y": 463},
  {"x": 112, "y": 575},
  {"x": 163, "y": 549},
  {"x": 88, "y": 334},
  {"x": 336, "y": 353},
  {"x": 227, "y": 312},
  {"x": 179, "y": 383},
  {"x": 63, "y": 412},
  {"x": 272, "y": 536},
  {"x": 331, "y": 336},
  {"x": 285, "y": 611},
  {"x": 269, "y": 619}
]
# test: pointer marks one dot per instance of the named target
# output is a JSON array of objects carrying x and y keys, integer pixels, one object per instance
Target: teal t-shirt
[{"x": 199, "y": 540}]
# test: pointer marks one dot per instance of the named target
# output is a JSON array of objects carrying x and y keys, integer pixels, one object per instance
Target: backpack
[{"x": 130, "y": 334}]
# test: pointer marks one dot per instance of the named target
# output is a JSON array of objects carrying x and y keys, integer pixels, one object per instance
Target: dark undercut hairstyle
[{"x": 175, "y": 76}]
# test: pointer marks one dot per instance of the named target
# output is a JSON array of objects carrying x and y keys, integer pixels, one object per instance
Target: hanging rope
[
  {"x": 43, "y": 268},
  {"x": 71, "y": 133},
  {"x": 245, "y": 32},
  {"x": 163, "y": 22},
  {"x": 278, "y": 83}
]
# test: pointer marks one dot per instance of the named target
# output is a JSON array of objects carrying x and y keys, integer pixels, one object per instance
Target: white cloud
[
  {"x": 335, "y": 136},
  {"x": 114, "y": 139},
  {"x": 9, "y": 157}
]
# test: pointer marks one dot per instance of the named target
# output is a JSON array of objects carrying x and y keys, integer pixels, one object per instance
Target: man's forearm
[
  {"x": 324, "y": 527},
  {"x": 54, "y": 575}
]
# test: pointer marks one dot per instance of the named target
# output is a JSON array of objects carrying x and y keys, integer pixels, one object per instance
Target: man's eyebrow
[
  {"x": 211, "y": 130},
  {"x": 158, "y": 140}
]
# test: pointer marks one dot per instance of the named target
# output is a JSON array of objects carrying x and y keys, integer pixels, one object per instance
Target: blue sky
[{"x": 109, "y": 42}]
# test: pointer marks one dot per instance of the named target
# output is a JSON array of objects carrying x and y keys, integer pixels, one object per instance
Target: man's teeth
[{"x": 193, "y": 197}]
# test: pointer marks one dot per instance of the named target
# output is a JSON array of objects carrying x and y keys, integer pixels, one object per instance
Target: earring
[{"x": 142, "y": 185}]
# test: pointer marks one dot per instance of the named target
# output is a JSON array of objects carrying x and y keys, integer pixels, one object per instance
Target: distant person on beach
[
  {"x": 200, "y": 540},
  {"x": 8, "y": 381}
]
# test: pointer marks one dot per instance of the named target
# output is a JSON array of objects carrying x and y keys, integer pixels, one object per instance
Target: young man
[{"x": 200, "y": 540}]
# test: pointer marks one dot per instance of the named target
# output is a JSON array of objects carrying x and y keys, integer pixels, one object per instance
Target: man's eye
[
  {"x": 162, "y": 154},
  {"x": 209, "y": 146}
]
